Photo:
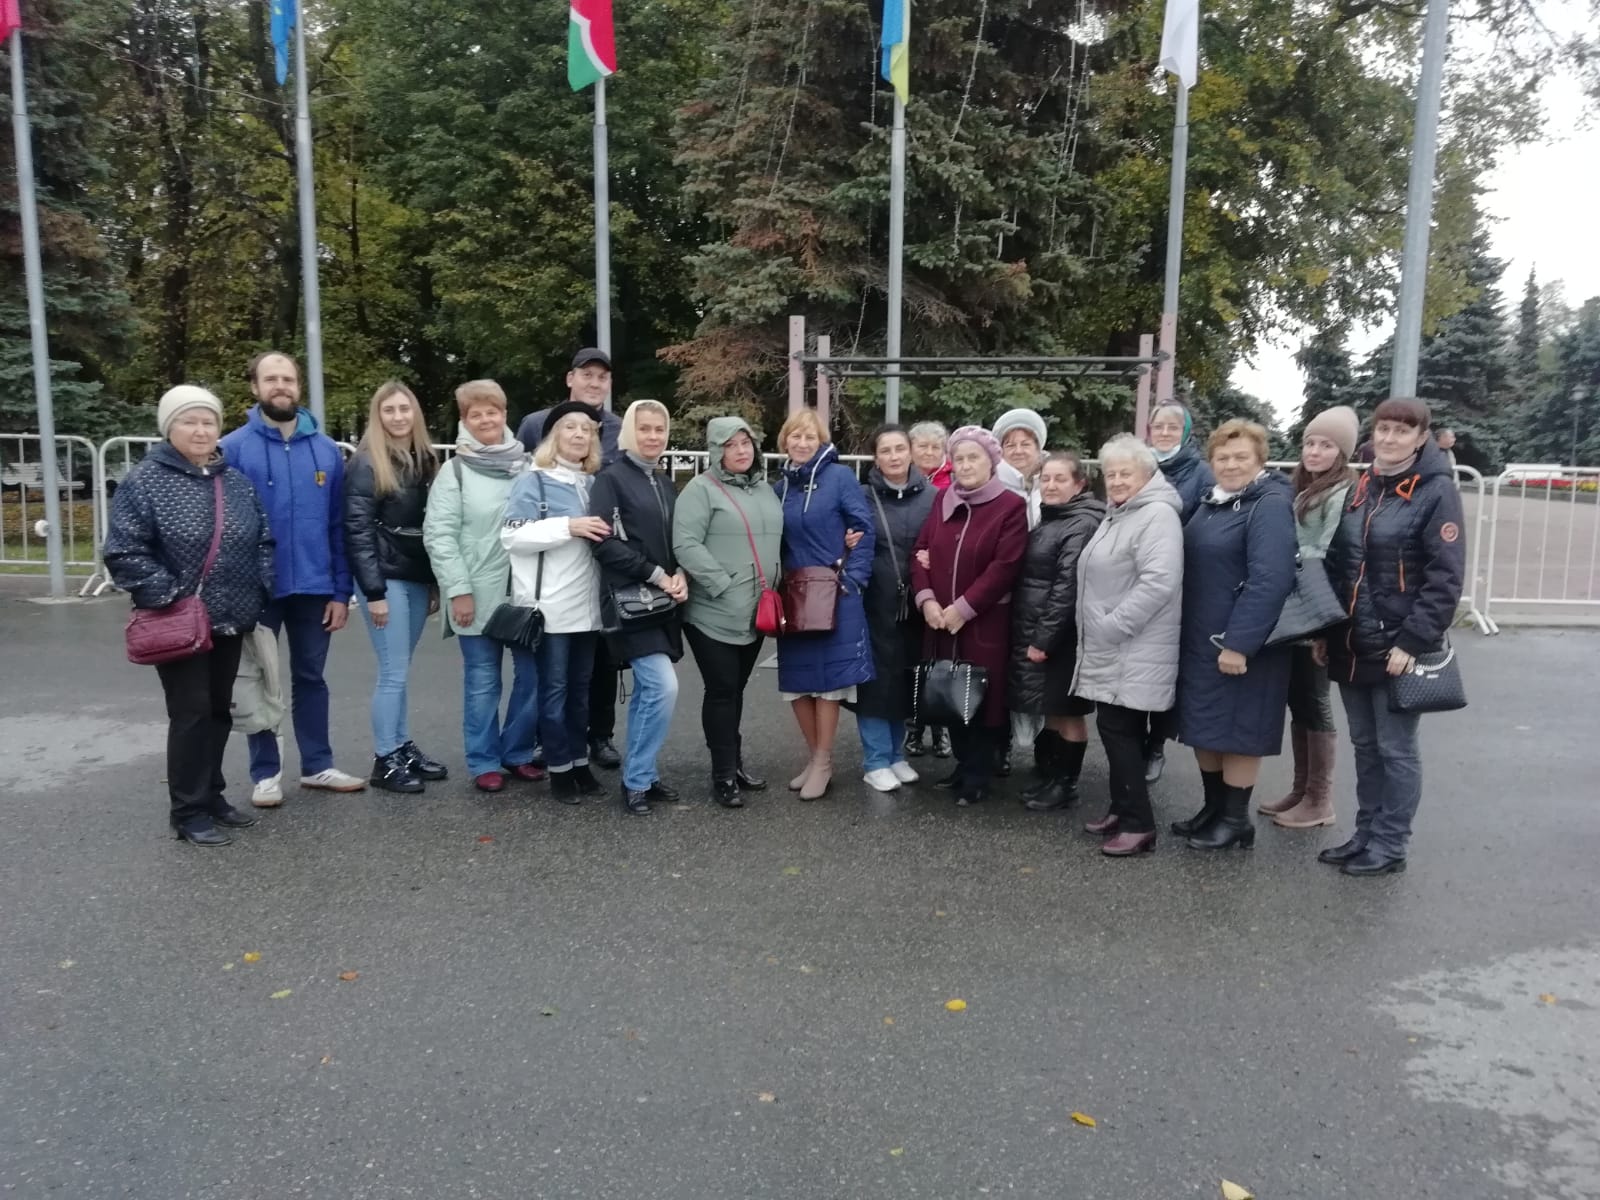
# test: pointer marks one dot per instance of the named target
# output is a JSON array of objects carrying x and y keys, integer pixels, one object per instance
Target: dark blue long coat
[
  {"x": 1190, "y": 474},
  {"x": 896, "y": 644},
  {"x": 1238, "y": 568},
  {"x": 822, "y": 501}
]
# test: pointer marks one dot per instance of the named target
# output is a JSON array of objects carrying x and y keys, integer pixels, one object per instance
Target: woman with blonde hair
[
  {"x": 462, "y": 533},
  {"x": 822, "y": 502},
  {"x": 385, "y": 500},
  {"x": 635, "y": 498}
]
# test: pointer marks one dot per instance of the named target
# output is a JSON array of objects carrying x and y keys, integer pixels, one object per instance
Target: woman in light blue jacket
[{"x": 461, "y": 533}]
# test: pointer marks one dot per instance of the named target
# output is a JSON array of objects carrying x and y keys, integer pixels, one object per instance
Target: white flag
[{"x": 1180, "y": 40}]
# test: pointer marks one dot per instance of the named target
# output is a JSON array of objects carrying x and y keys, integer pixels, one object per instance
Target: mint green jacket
[{"x": 1317, "y": 527}]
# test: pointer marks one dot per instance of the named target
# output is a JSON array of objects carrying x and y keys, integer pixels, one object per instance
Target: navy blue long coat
[
  {"x": 822, "y": 501},
  {"x": 1238, "y": 569}
]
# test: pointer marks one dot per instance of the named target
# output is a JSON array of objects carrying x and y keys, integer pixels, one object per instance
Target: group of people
[{"x": 1151, "y": 609}]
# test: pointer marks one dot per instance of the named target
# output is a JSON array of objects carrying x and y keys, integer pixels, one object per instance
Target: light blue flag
[
  {"x": 283, "y": 14},
  {"x": 896, "y": 44}
]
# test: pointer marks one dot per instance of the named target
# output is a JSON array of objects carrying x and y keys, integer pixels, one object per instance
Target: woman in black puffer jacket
[
  {"x": 1397, "y": 561},
  {"x": 1044, "y": 629},
  {"x": 385, "y": 498},
  {"x": 162, "y": 522}
]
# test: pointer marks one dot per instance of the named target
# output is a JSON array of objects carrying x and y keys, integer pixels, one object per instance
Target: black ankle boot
[
  {"x": 584, "y": 781},
  {"x": 564, "y": 788},
  {"x": 1062, "y": 789},
  {"x": 422, "y": 765},
  {"x": 726, "y": 793},
  {"x": 393, "y": 773},
  {"x": 1211, "y": 781},
  {"x": 1232, "y": 826}
]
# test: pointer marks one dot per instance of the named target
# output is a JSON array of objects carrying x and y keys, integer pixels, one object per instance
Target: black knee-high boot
[
  {"x": 1061, "y": 789},
  {"x": 1232, "y": 826},
  {"x": 1211, "y": 782}
]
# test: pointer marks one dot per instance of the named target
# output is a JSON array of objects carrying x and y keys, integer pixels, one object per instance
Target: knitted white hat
[
  {"x": 1019, "y": 418},
  {"x": 181, "y": 399}
]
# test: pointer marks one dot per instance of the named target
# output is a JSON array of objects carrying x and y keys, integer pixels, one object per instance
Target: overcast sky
[{"x": 1542, "y": 199}]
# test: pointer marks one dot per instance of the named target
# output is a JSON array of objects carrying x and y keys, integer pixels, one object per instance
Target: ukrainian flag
[{"x": 897, "y": 46}]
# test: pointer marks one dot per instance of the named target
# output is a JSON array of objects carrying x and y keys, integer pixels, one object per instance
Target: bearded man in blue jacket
[{"x": 298, "y": 472}]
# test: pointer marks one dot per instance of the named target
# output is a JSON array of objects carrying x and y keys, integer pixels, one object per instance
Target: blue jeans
[
  {"x": 1388, "y": 768},
  {"x": 394, "y": 645},
  {"x": 566, "y": 663},
  {"x": 655, "y": 695},
  {"x": 491, "y": 744},
  {"x": 880, "y": 742},
  {"x": 301, "y": 618}
]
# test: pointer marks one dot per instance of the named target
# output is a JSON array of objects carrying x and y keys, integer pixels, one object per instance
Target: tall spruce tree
[{"x": 1325, "y": 363}]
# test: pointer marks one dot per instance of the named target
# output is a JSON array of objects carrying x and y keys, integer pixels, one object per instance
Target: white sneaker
[
  {"x": 903, "y": 772},
  {"x": 883, "y": 779},
  {"x": 333, "y": 780},
  {"x": 268, "y": 793}
]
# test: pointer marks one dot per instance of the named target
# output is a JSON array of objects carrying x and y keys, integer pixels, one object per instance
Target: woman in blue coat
[
  {"x": 822, "y": 502},
  {"x": 1238, "y": 569}
]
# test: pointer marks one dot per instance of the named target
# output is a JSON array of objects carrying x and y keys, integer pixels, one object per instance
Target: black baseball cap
[{"x": 591, "y": 354}]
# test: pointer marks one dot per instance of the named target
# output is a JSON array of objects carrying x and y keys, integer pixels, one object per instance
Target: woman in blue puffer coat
[{"x": 822, "y": 502}]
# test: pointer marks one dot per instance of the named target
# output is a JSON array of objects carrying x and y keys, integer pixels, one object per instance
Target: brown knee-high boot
[
  {"x": 1316, "y": 807},
  {"x": 1297, "y": 739}
]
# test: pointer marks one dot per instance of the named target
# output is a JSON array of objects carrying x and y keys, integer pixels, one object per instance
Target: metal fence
[{"x": 1535, "y": 535}]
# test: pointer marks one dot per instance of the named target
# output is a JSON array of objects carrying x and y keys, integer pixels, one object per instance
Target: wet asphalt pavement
[{"x": 554, "y": 1002}]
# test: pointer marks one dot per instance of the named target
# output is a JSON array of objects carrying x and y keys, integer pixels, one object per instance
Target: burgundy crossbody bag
[{"x": 183, "y": 628}]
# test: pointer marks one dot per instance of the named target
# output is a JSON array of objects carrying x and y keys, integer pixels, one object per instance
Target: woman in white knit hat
[
  {"x": 183, "y": 518},
  {"x": 1021, "y": 434}
]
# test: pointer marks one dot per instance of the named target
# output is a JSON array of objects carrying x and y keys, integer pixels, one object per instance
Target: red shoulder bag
[
  {"x": 183, "y": 628},
  {"x": 769, "y": 605}
]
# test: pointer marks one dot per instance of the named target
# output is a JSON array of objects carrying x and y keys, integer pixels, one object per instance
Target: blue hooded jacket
[{"x": 301, "y": 485}]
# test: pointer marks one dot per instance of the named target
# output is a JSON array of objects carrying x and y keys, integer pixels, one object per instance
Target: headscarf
[{"x": 1188, "y": 429}]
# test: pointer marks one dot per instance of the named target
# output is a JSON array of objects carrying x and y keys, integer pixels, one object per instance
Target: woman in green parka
[
  {"x": 461, "y": 533},
  {"x": 726, "y": 519}
]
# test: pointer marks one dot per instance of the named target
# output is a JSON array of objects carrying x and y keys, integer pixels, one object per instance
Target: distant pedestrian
[
  {"x": 1238, "y": 570},
  {"x": 727, "y": 535},
  {"x": 1446, "y": 438},
  {"x": 1322, "y": 482},
  {"x": 385, "y": 498},
  {"x": 1130, "y": 594},
  {"x": 298, "y": 472},
  {"x": 589, "y": 383},
  {"x": 466, "y": 509},
  {"x": 1397, "y": 561},
  {"x": 166, "y": 539},
  {"x": 635, "y": 499}
]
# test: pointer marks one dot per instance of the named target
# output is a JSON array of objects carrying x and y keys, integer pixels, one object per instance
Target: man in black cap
[{"x": 589, "y": 382}]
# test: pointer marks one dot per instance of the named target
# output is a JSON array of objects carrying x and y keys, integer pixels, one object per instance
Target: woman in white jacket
[
  {"x": 546, "y": 532},
  {"x": 1130, "y": 606}
]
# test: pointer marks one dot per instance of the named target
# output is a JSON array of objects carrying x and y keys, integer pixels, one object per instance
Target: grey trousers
[{"x": 1388, "y": 768}]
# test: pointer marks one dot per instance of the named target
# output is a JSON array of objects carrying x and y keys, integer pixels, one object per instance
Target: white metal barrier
[
  {"x": 1550, "y": 559},
  {"x": 22, "y": 501}
]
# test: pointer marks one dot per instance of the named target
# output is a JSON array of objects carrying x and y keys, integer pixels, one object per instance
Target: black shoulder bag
[
  {"x": 642, "y": 605},
  {"x": 514, "y": 625}
]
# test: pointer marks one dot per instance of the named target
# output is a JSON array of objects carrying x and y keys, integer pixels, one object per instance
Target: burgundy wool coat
[{"x": 975, "y": 554}]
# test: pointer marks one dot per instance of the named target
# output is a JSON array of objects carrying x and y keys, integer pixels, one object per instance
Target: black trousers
[
  {"x": 1309, "y": 701},
  {"x": 978, "y": 750},
  {"x": 1162, "y": 727},
  {"x": 725, "y": 670},
  {"x": 603, "y": 694},
  {"x": 199, "y": 694},
  {"x": 1123, "y": 731}
]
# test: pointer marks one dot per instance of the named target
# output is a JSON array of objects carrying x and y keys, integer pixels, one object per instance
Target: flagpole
[
  {"x": 602, "y": 226},
  {"x": 308, "y": 222},
  {"x": 897, "y": 238},
  {"x": 1166, "y": 373},
  {"x": 1419, "y": 203},
  {"x": 38, "y": 333}
]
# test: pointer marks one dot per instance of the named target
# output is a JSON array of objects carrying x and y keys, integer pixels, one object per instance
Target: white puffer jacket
[{"x": 1130, "y": 602}]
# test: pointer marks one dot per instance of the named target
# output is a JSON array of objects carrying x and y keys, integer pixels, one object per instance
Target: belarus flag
[{"x": 591, "y": 43}]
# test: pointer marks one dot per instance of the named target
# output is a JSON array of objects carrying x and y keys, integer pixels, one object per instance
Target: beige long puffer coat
[{"x": 1130, "y": 602}]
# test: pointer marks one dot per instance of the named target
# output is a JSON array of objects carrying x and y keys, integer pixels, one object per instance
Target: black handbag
[
  {"x": 1432, "y": 684},
  {"x": 637, "y": 606},
  {"x": 947, "y": 692},
  {"x": 1312, "y": 607},
  {"x": 517, "y": 625}
]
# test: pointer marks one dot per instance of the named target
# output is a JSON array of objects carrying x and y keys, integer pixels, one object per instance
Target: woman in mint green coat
[
  {"x": 718, "y": 516},
  {"x": 461, "y": 533}
]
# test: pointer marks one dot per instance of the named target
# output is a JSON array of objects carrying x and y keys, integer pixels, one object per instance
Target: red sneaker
[
  {"x": 527, "y": 772},
  {"x": 490, "y": 781}
]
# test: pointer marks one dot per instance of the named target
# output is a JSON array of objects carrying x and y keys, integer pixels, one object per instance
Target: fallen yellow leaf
[
  {"x": 349, "y": 976},
  {"x": 766, "y": 1097},
  {"x": 956, "y": 1005},
  {"x": 282, "y": 994},
  {"x": 1232, "y": 1191},
  {"x": 326, "y": 1059},
  {"x": 888, "y": 1020},
  {"x": 1027, "y": 870},
  {"x": 67, "y": 964},
  {"x": 227, "y": 966},
  {"x": 897, "y": 1152},
  {"x": 939, "y": 912},
  {"x": 1548, "y": 998},
  {"x": 252, "y": 956},
  {"x": 1084, "y": 1119},
  {"x": 791, "y": 870}
]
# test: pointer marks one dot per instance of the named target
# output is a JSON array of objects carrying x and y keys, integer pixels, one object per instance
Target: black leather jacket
[{"x": 383, "y": 534}]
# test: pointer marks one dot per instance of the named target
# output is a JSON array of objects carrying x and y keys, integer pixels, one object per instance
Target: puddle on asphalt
[
  {"x": 46, "y": 751},
  {"x": 1518, "y": 1038}
]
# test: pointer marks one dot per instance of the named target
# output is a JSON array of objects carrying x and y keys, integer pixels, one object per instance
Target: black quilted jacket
[
  {"x": 383, "y": 534},
  {"x": 1044, "y": 608},
  {"x": 161, "y": 522}
]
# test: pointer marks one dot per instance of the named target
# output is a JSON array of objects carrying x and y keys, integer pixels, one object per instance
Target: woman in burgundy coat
[{"x": 968, "y": 557}]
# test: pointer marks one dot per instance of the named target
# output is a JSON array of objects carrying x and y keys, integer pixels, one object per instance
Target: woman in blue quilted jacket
[
  {"x": 162, "y": 525},
  {"x": 822, "y": 502}
]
